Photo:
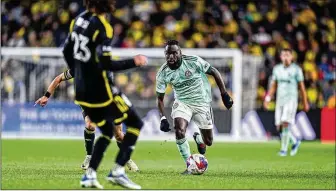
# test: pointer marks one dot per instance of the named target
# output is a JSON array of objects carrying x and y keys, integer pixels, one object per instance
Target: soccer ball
[{"x": 197, "y": 164}]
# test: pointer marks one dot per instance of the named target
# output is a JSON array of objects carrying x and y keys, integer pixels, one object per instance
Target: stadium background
[{"x": 258, "y": 29}]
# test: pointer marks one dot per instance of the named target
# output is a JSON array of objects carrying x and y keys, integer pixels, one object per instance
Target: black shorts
[{"x": 117, "y": 112}]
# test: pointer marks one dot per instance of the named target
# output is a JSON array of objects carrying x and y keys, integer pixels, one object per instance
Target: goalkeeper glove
[
  {"x": 227, "y": 100},
  {"x": 164, "y": 125}
]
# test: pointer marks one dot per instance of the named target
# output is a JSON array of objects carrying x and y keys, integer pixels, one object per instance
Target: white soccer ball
[{"x": 197, "y": 164}]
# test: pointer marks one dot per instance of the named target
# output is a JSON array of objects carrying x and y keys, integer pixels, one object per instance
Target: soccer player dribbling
[
  {"x": 286, "y": 78},
  {"x": 187, "y": 75}
]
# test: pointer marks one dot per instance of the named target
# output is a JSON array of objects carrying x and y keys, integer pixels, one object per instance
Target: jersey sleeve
[
  {"x": 68, "y": 74},
  {"x": 161, "y": 85},
  {"x": 202, "y": 65},
  {"x": 299, "y": 75}
]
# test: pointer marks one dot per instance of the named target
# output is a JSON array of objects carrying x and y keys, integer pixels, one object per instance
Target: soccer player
[
  {"x": 89, "y": 131},
  {"x": 87, "y": 52},
  {"x": 285, "y": 80},
  {"x": 187, "y": 75}
]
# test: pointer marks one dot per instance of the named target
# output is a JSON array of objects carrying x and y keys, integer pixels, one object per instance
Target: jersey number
[{"x": 81, "y": 51}]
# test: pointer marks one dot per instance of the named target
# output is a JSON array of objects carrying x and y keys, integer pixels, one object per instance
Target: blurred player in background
[
  {"x": 89, "y": 131},
  {"x": 87, "y": 52},
  {"x": 187, "y": 75},
  {"x": 285, "y": 80}
]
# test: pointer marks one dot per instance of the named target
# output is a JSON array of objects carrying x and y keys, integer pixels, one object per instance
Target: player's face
[
  {"x": 286, "y": 57},
  {"x": 173, "y": 56}
]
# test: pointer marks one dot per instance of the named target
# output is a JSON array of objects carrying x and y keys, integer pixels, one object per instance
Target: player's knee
[
  {"x": 119, "y": 135},
  {"x": 285, "y": 124},
  {"x": 179, "y": 132},
  {"x": 208, "y": 141},
  {"x": 107, "y": 130}
]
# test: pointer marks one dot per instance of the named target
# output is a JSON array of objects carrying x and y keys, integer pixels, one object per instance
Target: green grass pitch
[{"x": 54, "y": 164}]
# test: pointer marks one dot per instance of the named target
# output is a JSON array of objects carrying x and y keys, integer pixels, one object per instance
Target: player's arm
[
  {"x": 160, "y": 92},
  {"x": 227, "y": 100},
  {"x": 271, "y": 91},
  {"x": 302, "y": 88},
  {"x": 67, "y": 75},
  {"x": 304, "y": 96}
]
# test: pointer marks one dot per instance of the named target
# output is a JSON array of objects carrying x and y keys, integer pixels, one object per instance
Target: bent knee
[{"x": 208, "y": 141}]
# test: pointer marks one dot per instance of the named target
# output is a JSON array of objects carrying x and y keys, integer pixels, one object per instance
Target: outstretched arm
[
  {"x": 227, "y": 100},
  {"x": 42, "y": 101}
]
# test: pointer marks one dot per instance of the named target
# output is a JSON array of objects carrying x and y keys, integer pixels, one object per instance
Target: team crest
[
  {"x": 175, "y": 105},
  {"x": 188, "y": 73}
]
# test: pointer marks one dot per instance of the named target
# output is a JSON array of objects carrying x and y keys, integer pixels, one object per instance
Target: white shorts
[
  {"x": 286, "y": 113},
  {"x": 201, "y": 115}
]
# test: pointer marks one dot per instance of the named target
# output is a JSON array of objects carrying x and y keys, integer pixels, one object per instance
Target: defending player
[
  {"x": 285, "y": 79},
  {"x": 87, "y": 52},
  {"x": 89, "y": 131},
  {"x": 187, "y": 75}
]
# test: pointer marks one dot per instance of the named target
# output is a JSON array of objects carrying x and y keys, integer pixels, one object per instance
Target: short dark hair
[
  {"x": 102, "y": 6},
  {"x": 286, "y": 50},
  {"x": 172, "y": 42}
]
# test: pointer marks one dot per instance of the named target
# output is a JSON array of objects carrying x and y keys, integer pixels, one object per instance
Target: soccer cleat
[
  {"x": 132, "y": 166},
  {"x": 122, "y": 180},
  {"x": 86, "y": 162},
  {"x": 295, "y": 148},
  {"x": 186, "y": 172},
  {"x": 282, "y": 153},
  {"x": 200, "y": 147},
  {"x": 90, "y": 182}
]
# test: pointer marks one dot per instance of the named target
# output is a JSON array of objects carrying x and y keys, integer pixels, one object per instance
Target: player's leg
[
  {"x": 117, "y": 174},
  {"x": 291, "y": 118},
  {"x": 287, "y": 118},
  {"x": 278, "y": 116},
  {"x": 106, "y": 127},
  {"x": 89, "y": 137},
  {"x": 181, "y": 115},
  {"x": 119, "y": 136},
  {"x": 203, "y": 117}
]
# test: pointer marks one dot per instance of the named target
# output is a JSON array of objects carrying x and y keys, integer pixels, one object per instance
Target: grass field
[{"x": 54, "y": 164}]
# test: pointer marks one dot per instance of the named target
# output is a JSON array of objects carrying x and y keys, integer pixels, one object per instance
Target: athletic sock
[
  {"x": 127, "y": 146},
  {"x": 284, "y": 139},
  {"x": 98, "y": 151},
  {"x": 183, "y": 147},
  {"x": 89, "y": 137},
  {"x": 292, "y": 138}
]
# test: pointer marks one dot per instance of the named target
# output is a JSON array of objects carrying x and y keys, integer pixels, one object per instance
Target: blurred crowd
[{"x": 259, "y": 28}]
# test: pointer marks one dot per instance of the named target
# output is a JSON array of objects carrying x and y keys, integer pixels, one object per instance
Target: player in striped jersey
[
  {"x": 89, "y": 131},
  {"x": 187, "y": 75}
]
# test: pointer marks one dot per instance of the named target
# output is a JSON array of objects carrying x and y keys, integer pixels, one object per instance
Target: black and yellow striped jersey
[{"x": 88, "y": 44}]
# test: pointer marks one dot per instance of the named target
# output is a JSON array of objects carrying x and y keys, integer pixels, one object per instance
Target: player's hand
[
  {"x": 42, "y": 101},
  {"x": 227, "y": 100},
  {"x": 164, "y": 125},
  {"x": 266, "y": 105},
  {"x": 140, "y": 60},
  {"x": 306, "y": 106}
]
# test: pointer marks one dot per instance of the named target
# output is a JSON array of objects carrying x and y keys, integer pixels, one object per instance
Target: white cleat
[
  {"x": 132, "y": 166},
  {"x": 295, "y": 148},
  {"x": 122, "y": 180},
  {"x": 89, "y": 180},
  {"x": 282, "y": 153},
  {"x": 86, "y": 162}
]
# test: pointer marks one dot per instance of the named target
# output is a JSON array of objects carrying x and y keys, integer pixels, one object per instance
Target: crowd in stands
[{"x": 259, "y": 28}]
